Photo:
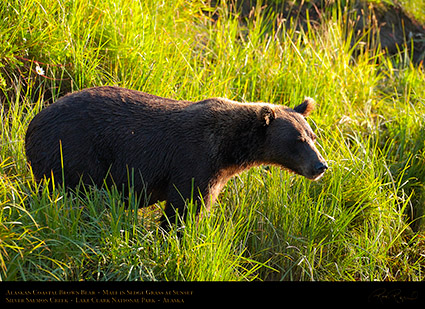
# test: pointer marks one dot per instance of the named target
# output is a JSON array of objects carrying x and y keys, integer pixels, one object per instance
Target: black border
[{"x": 212, "y": 293}]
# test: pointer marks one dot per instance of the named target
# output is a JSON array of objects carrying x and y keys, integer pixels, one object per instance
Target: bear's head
[{"x": 290, "y": 141}]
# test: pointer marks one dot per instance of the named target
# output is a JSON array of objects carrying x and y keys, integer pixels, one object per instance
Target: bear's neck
[{"x": 241, "y": 150}]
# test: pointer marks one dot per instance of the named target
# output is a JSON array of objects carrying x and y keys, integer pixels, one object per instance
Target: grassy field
[{"x": 361, "y": 221}]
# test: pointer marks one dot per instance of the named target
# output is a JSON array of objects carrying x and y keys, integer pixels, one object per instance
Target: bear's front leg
[{"x": 175, "y": 210}]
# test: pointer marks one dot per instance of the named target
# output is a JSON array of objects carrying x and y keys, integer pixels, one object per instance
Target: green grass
[{"x": 361, "y": 221}]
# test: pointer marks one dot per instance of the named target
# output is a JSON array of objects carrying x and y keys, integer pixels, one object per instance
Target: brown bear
[{"x": 175, "y": 150}]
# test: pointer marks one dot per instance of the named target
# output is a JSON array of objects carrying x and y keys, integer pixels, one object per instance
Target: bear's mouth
[
  {"x": 316, "y": 177},
  {"x": 309, "y": 176},
  {"x": 317, "y": 172},
  {"x": 291, "y": 171}
]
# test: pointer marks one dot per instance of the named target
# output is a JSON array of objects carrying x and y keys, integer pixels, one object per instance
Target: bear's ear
[
  {"x": 305, "y": 107},
  {"x": 267, "y": 115}
]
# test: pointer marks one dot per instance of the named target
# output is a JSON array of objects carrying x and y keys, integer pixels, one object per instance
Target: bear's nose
[{"x": 321, "y": 167}]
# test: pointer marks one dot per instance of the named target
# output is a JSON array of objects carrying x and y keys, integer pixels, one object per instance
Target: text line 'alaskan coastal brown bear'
[{"x": 176, "y": 149}]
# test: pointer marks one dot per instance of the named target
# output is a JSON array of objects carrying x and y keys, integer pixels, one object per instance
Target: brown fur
[{"x": 173, "y": 148}]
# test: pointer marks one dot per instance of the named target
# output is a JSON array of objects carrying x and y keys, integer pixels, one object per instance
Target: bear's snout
[{"x": 320, "y": 168}]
